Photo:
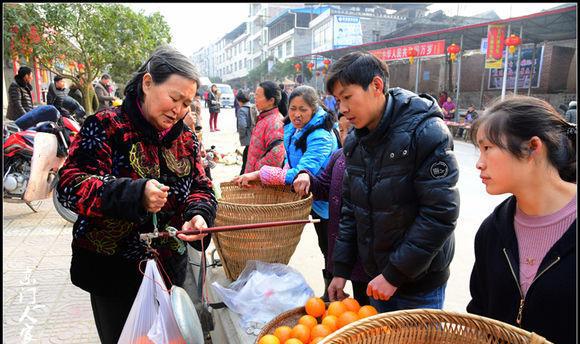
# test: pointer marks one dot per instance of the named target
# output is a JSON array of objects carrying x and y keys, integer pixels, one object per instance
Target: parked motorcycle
[{"x": 32, "y": 157}]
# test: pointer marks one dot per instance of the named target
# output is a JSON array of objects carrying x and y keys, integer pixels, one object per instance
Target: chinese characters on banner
[
  {"x": 495, "y": 46},
  {"x": 433, "y": 48}
]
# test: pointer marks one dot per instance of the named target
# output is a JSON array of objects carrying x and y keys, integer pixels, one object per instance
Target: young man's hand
[
  {"x": 380, "y": 289},
  {"x": 336, "y": 289}
]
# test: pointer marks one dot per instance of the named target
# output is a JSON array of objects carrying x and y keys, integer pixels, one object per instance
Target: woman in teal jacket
[{"x": 310, "y": 139}]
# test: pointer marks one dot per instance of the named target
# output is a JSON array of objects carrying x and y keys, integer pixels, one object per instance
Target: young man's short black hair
[
  {"x": 57, "y": 78},
  {"x": 105, "y": 76},
  {"x": 357, "y": 68}
]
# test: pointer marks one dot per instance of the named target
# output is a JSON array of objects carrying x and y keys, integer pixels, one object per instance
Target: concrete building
[
  {"x": 289, "y": 33},
  {"x": 203, "y": 61},
  {"x": 260, "y": 15},
  {"x": 231, "y": 57},
  {"x": 346, "y": 25}
]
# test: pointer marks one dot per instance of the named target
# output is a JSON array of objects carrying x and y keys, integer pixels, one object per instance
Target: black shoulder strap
[
  {"x": 337, "y": 134},
  {"x": 271, "y": 146}
]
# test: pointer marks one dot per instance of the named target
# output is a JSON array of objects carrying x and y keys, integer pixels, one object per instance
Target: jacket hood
[{"x": 402, "y": 105}]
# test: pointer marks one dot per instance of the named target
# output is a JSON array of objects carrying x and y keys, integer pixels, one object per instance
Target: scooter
[{"x": 32, "y": 158}]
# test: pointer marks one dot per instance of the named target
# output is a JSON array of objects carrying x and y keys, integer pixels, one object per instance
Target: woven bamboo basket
[
  {"x": 254, "y": 205},
  {"x": 418, "y": 326}
]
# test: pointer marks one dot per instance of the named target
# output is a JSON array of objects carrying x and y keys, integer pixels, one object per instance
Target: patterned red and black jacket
[{"x": 102, "y": 180}]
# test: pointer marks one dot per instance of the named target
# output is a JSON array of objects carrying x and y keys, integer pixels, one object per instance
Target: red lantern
[
  {"x": 453, "y": 50},
  {"x": 81, "y": 67},
  {"x": 310, "y": 66},
  {"x": 512, "y": 42},
  {"x": 33, "y": 35},
  {"x": 326, "y": 63},
  {"x": 411, "y": 52},
  {"x": 297, "y": 67}
]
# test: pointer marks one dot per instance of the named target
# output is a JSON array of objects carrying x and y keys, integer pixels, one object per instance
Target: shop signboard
[
  {"x": 525, "y": 73},
  {"x": 347, "y": 31}
]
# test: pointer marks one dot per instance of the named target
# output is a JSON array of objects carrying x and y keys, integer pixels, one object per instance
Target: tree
[
  {"x": 89, "y": 38},
  {"x": 283, "y": 70}
]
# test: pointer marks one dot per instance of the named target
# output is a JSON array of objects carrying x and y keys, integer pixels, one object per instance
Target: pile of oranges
[{"x": 310, "y": 330}]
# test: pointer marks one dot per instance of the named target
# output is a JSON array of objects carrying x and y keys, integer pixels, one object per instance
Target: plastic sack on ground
[
  {"x": 151, "y": 318},
  {"x": 263, "y": 291}
]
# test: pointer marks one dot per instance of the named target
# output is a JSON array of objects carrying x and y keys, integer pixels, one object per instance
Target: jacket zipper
[{"x": 522, "y": 300}]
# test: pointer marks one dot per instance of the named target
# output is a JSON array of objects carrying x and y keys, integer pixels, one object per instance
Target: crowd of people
[{"x": 379, "y": 161}]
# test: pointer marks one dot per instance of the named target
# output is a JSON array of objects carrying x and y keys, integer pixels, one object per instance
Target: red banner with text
[
  {"x": 433, "y": 48},
  {"x": 495, "y": 46}
]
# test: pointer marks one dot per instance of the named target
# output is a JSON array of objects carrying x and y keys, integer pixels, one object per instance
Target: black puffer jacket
[
  {"x": 400, "y": 202},
  {"x": 549, "y": 306},
  {"x": 19, "y": 99}
]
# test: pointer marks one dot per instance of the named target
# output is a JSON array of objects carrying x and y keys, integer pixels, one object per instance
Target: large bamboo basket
[
  {"x": 418, "y": 326},
  {"x": 428, "y": 326},
  {"x": 254, "y": 205}
]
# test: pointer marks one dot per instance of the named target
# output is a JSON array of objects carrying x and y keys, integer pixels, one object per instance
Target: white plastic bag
[
  {"x": 263, "y": 291},
  {"x": 151, "y": 318}
]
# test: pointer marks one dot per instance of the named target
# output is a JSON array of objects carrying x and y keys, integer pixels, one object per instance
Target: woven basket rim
[
  {"x": 428, "y": 312},
  {"x": 270, "y": 187},
  {"x": 272, "y": 324}
]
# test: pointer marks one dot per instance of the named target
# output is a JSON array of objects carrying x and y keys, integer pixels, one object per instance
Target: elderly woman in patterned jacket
[{"x": 128, "y": 163}]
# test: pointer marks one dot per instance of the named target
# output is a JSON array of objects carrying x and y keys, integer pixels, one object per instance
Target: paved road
[{"x": 39, "y": 300}]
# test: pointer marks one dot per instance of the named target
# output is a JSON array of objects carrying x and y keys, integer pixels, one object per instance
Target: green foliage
[
  {"x": 99, "y": 37},
  {"x": 258, "y": 73}
]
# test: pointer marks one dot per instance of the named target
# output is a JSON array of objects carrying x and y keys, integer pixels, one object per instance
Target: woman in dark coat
[
  {"x": 525, "y": 251},
  {"x": 126, "y": 164},
  {"x": 214, "y": 107}
]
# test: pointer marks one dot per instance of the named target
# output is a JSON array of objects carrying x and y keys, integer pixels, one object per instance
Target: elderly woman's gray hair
[{"x": 164, "y": 62}]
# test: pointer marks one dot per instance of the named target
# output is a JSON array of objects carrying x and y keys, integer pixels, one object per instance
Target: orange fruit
[
  {"x": 346, "y": 318},
  {"x": 308, "y": 320},
  {"x": 294, "y": 341},
  {"x": 143, "y": 340},
  {"x": 331, "y": 322},
  {"x": 351, "y": 304},
  {"x": 301, "y": 332},
  {"x": 320, "y": 331},
  {"x": 316, "y": 340},
  {"x": 283, "y": 333},
  {"x": 336, "y": 308},
  {"x": 367, "y": 311},
  {"x": 315, "y": 307},
  {"x": 269, "y": 339}
]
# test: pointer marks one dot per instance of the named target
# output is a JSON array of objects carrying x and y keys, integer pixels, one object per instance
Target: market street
[{"x": 39, "y": 300}]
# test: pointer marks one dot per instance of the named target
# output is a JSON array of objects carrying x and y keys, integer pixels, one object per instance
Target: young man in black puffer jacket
[{"x": 400, "y": 201}]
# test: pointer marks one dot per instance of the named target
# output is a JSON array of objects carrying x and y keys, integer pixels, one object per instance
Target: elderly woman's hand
[
  {"x": 196, "y": 222},
  {"x": 154, "y": 196},
  {"x": 302, "y": 184},
  {"x": 245, "y": 179}
]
